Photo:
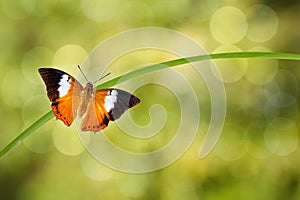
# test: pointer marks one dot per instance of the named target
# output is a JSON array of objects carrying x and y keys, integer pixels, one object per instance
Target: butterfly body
[
  {"x": 87, "y": 95},
  {"x": 96, "y": 108}
]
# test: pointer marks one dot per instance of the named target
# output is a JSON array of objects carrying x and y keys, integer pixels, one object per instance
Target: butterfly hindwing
[
  {"x": 64, "y": 91},
  {"x": 95, "y": 118}
]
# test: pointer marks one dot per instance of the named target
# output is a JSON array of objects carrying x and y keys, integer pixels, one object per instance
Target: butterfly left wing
[
  {"x": 64, "y": 92},
  {"x": 107, "y": 105}
]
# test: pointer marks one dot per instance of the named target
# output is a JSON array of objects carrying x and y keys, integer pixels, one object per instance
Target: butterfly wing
[
  {"x": 107, "y": 105},
  {"x": 64, "y": 92}
]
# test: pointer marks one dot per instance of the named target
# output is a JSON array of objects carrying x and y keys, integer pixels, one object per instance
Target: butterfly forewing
[
  {"x": 116, "y": 102},
  {"x": 64, "y": 92}
]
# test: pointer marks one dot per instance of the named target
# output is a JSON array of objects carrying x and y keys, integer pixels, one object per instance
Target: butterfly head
[{"x": 88, "y": 90}]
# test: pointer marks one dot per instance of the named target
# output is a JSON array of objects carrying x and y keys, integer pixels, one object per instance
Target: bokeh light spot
[
  {"x": 281, "y": 94},
  {"x": 44, "y": 8},
  {"x": 99, "y": 11},
  {"x": 282, "y": 136},
  {"x": 261, "y": 71},
  {"x": 282, "y": 99},
  {"x": 228, "y": 25},
  {"x": 270, "y": 111},
  {"x": 40, "y": 142},
  {"x": 230, "y": 145},
  {"x": 255, "y": 140},
  {"x": 16, "y": 89},
  {"x": 34, "y": 59},
  {"x": 18, "y": 9},
  {"x": 141, "y": 13},
  {"x": 284, "y": 81},
  {"x": 262, "y": 23},
  {"x": 33, "y": 109},
  {"x": 66, "y": 140},
  {"x": 95, "y": 170},
  {"x": 133, "y": 186},
  {"x": 231, "y": 70},
  {"x": 68, "y": 57},
  {"x": 246, "y": 168}
]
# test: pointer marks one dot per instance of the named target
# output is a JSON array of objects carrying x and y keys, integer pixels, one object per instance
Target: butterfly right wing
[
  {"x": 107, "y": 105},
  {"x": 64, "y": 91}
]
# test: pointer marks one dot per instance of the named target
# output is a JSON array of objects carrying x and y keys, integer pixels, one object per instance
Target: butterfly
[{"x": 95, "y": 107}]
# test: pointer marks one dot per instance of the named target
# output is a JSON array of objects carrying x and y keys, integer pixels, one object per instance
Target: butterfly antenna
[
  {"x": 83, "y": 73},
  {"x": 102, "y": 77}
]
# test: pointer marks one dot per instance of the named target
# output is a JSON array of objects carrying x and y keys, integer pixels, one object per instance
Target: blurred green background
[{"x": 257, "y": 156}]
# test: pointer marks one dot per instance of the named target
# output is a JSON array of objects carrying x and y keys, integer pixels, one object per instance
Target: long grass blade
[{"x": 148, "y": 69}]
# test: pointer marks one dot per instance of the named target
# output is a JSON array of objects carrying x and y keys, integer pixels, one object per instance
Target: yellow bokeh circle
[
  {"x": 262, "y": 23},
  {"x": 231, "y": 70},
  {"x": 228, "y": 25},
  {"x": 261, "y": 71},
  {"x": 66, "y": 140},
  {"x": 281, "y": 136},
  {"x": 68, "y": 57}
]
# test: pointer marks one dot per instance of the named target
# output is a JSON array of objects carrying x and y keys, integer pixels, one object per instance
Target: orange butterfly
[{"x": 96, "y": 108}]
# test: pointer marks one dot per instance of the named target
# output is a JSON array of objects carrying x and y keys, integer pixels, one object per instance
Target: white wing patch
[
  {"x": 64, "y": 85},
  {"x": 110, "y": 100}
]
